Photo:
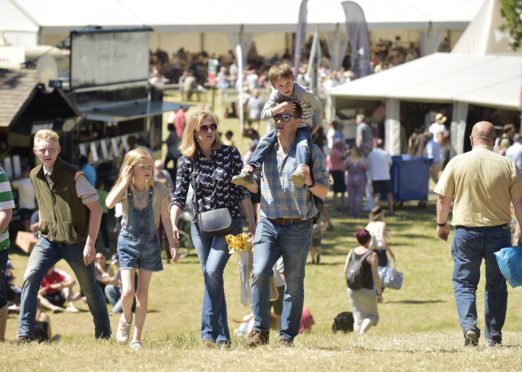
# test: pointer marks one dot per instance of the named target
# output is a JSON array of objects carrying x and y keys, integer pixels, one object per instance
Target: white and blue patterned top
[
  {"x": 279, "y": 197},
  {"x": 213, "y": 175}
]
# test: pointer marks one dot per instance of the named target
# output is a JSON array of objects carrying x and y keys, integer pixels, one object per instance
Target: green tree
[{"x": 511, "y": 11}]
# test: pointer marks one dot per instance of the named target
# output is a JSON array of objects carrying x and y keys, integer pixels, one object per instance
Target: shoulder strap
[{"x": 193, "y": 181}]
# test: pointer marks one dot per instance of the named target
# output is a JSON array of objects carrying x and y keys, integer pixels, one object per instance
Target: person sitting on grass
[
  {"x": 56, "y": 289},
  {"x": 287, "y": 92}
]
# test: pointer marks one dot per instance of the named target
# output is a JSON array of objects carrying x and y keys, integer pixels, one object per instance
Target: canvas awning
[
  {"x": 59, "y": 16},
  {"x": 128, "y": 111},
  {"x": 492, "y": 81}
]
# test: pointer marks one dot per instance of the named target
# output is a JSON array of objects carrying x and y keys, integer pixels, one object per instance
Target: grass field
[{"x": 418, "y": 328}]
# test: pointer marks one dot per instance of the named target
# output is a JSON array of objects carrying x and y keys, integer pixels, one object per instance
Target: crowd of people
[{"x": 274, "y": 194}]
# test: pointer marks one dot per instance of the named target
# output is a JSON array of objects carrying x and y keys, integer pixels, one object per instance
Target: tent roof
[
  {"x": 441, "y": 77},
  {"x": 12, "y": 19},
  {"x": 483, "y": 35},
  {"x": 55, "y": 16}
]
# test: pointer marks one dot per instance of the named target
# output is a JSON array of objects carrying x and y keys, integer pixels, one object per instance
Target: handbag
[
  {"x": 390, "y": 277},
  {"x": 216, "y": 222}
]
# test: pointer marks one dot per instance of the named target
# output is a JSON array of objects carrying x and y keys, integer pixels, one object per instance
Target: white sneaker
[
  {"x": 135, "y": 345},
  {"x": 71, "y": 308},
  {"x": 123, "y": 331}
]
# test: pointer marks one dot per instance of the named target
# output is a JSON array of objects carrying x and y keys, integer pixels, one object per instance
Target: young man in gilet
[{"x": 69, "y": 222}]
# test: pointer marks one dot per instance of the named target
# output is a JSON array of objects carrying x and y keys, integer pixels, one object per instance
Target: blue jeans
[
  {"x": 113, "y": 294},
  {"x": 469, "y": 247},
  {"x": 272, "y": 241},
  {"x": 44, "y": 255},
  {"x": 213, "y": 256},
  {"x": 302, "y": 152}
]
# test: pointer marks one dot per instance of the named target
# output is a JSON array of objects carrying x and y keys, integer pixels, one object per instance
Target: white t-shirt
[
  {"x": 437, "y": 128},
  {"x": 379, "y": 163},
  {"x": 26, "y": 194}
]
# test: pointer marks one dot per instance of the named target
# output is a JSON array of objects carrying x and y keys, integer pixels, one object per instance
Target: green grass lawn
[{"x": 418, "y": 326}]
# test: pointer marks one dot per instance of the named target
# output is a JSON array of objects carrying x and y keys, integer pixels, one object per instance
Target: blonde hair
[
  {"x": 46, "y": 134},
  {"x": 139, "y": 154},
  {"x": 189, "y": 145}
]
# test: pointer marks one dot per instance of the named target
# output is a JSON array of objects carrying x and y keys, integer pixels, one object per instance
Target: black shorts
[
  {"x": 25, "y": 214},
  {"x": 382, "y": 187}
]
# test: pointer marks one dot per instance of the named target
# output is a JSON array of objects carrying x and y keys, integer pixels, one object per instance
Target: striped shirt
[
  {"x": 6, "y": 202},
  {"x": 279, "y": 197}
]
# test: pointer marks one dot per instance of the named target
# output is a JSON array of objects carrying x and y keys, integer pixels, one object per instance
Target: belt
[
  {"x": 503, "y": 226},
  {"x": 286, "y": 221}
]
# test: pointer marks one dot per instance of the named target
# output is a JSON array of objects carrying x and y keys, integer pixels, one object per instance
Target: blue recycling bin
[{"x": 410, "y": 177}]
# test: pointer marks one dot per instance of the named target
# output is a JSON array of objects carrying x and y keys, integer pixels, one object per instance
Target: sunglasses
[
  {"x": 283, "y": 117},
  {"x": 205, "y": 127}
]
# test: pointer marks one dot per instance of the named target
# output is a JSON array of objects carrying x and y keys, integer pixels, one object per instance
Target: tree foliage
[{"x": 511, "y": 11}]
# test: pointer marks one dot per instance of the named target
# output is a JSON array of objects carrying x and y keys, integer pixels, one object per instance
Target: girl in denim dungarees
[{"x": 144, "y": 203}]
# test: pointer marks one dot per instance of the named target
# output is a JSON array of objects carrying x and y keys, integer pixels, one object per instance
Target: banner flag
[
  {"x": 359, "y": 39},
  {"x": 300, "y": 34}
]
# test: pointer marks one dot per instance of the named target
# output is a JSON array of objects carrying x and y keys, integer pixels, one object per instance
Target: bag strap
[{"x": 193, "y": 181}]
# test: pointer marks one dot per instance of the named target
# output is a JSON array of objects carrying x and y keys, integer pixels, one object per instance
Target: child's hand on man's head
[{"x": 282, "y": 107}]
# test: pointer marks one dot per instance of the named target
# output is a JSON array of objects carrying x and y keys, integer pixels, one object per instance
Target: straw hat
[
  {"x": 440, "y": 118},
  {"x": 376, "y": 213}
]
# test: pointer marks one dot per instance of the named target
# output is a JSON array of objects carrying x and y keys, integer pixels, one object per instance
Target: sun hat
[{"x": 440, "y": 118}]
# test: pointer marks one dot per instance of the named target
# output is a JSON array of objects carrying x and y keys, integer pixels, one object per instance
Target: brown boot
[{"x": 256, "y": 338}]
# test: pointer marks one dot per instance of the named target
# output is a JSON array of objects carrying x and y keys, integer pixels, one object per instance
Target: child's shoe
[
  {"x": 298, "y": 178},
  {"x": 244, "y": 179},
  {"x": 135, "y": 345},
  {"x": 123, "y": 330}
]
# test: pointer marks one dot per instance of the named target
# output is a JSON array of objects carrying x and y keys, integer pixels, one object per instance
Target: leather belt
[
  {"x": 503, "y": 226},
  {"x": 286, "y": 221}
]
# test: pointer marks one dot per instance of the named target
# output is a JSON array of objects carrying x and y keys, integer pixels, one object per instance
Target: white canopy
[
  {"x": 486, "y": 80},
  {"x": 58, "y": 16}
]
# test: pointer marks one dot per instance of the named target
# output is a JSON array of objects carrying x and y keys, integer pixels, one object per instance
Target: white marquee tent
[
  {"x": 227, "y": 15},
  {"x": 490, "y": 81},
  {"x": 481, "y": 70}
]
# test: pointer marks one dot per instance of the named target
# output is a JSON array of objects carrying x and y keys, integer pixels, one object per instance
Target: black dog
[{"x": 343, "y": 322}]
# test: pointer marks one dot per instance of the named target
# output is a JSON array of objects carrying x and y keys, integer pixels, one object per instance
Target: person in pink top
[
  {"x": 180, "y": 120},
  {"x": 335, "y": 165}
]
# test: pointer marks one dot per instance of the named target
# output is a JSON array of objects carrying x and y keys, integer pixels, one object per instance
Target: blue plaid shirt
[{"x": 279, "y": 197}]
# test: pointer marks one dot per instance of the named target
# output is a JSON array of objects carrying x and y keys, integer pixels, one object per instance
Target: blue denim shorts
[
  {"x": 3, "y": 289},
  {"x": 139, "y": 252}
]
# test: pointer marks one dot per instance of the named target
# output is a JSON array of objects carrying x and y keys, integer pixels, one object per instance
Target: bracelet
[
  {"x": 441, "y": 224},
  {"x": 310, "y": 186}
]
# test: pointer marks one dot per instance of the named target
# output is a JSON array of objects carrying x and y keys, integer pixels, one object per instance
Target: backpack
[{"x": 355, "y": 275}]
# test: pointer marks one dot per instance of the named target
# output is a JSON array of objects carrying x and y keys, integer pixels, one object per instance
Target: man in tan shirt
[{"x": 483, "y": 184}]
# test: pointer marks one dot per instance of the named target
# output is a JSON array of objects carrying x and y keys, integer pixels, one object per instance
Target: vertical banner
[
  {"x": 239, "y": 85},
  {"x": 212, "y": 72},
  {"x": 300, "y": 34},
  {"x": 359, "y": 39},
  {"x": 313, "y": 63}
]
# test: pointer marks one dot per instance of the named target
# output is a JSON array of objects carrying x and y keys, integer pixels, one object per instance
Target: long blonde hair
[
  {"x": 189, "y": 145},
  {"x": 132, "y": 158}
]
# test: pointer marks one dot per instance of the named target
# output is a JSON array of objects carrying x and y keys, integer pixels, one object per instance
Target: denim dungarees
[{"x": 138, "y": 242}]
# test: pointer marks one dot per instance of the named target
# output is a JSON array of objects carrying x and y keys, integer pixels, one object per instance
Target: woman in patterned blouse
[{"x": 213, "y": 165}]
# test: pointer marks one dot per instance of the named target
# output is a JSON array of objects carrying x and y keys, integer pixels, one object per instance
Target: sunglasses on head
[
  {"x": 206, "y": 127},
  {"x": 283, "y": 117}
]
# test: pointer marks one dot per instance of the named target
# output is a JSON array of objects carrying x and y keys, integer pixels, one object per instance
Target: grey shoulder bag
[{"x": 214, "y": 222}]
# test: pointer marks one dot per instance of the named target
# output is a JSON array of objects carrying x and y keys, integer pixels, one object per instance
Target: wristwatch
[
  {"x": 441, "y": 224},
  {"x": 312, "y": 185}
]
